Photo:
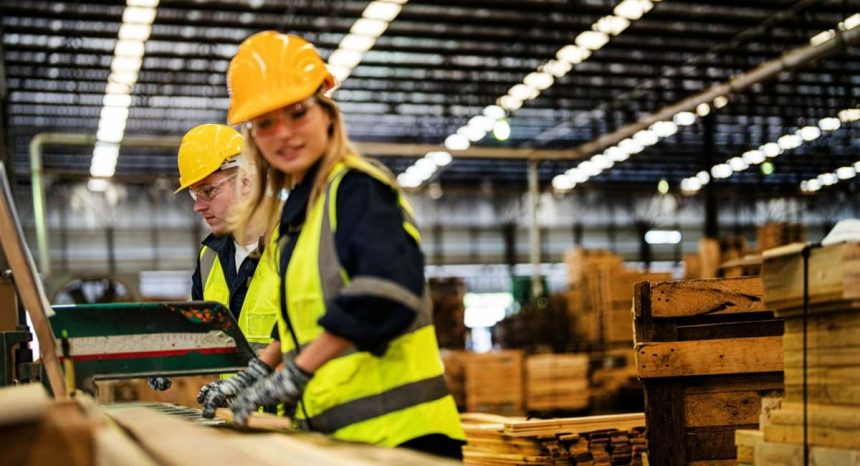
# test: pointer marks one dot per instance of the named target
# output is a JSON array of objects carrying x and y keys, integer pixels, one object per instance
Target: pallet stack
[
  {"x": 494, "y": 382},
  {"x": 454, "y": 362},
  {"x": 557, "y": 382},
  {"x": 831, "y": 351},
  {"x": 595, "y": 441},
  {"x": 449, "y": 310},
  {"x": 777, "y": 234},
  {"x": 707, "y": 352}
]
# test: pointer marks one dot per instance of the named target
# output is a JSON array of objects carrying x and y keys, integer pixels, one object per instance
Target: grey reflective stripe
[
  {"x": 362, "y": 409},
  {"x": 381, "y": 288},
  {"x": 207, "y": 261},
  {"x": 329, "y": 264}
]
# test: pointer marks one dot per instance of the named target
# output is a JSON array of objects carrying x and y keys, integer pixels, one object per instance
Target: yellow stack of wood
[
  {"x": 594, "y": 441},
  {"x": 777, "y": 234},
  {"x": 454, "y": 362},
  {"x": 826, "y": 336},
  {"x": 600, "y": 297},
  {"x": 557, "y": 382},
  {"x": 494, "y": 382}
]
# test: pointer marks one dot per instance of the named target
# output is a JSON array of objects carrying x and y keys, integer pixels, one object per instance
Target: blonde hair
[{"x": 264, "y": 203}]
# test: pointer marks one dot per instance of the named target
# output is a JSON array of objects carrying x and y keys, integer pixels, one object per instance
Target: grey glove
[
  {"x": 220, "y": 393},
  {"x": 159, "y": 384},
  {"x": 284, "y": 386}
]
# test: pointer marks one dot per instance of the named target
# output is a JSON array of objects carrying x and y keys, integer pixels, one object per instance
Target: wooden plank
[
  {"x": 709, "y": 357},
  {"x": 722, "y": 409},
  {"x": 29, "y": 285},
  {"x": 712, "y": 443},
  {"x": 834, "y": 272},
  {"x": 575, "y": 424},
  {"x": 665, "y": 414},
  {"x": 706, "y": 297},
  {"x": 22, "y": 404},
  {"x": 828, "y": 426},
  {"x": 786, "y": 454}
]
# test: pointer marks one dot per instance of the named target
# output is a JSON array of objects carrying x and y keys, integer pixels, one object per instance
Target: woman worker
[{"x": 355, "y": 329}]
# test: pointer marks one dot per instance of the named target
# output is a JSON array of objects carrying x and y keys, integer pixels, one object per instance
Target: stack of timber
[
  {"x": 454, "y": 362},
  {"x": 183, "y": 390},
  {"x": 707, "y": 351},
  {"x": 773, "y": 235},
  {"x": 494, "y": 382},
  {"x": 557, "y": 382},
  {"x": 540, "y": 326},
  {"x": 596, "y": 441},
  {"x": 448, "y": 311},
  {"x": 831, "y": 350},
  {"x": 614, "y": 381},
  {"x": 719, "y": 258}
]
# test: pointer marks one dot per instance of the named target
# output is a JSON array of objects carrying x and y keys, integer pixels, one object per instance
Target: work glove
[
  {"x": 284, "y": 386},
  {"x": 220, "y": 393},
  {"x": 159, "y": 384}
]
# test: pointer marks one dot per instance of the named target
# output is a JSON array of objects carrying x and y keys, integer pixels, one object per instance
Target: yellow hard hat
[
  {"x": 206, "y": 149},
  {"x": 272, "y": 70}
]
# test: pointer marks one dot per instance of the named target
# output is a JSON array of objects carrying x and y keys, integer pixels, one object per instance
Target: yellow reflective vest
[
  {"x": 255, "y": 322},
  {"x": 385, "y": 400}
]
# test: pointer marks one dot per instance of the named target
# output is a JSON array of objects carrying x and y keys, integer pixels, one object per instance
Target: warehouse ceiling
[{"x": 440, "y": 63}]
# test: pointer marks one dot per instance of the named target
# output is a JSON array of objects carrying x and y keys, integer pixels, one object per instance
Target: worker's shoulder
[{"x": 358, "y": 183}]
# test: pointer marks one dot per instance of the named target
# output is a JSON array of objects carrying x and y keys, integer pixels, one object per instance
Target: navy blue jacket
[{"x": 370, "y": 241}]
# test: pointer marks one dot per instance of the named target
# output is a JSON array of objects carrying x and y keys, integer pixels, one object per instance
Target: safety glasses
[
  {"x": 291, "y": 115},
  {"x": 207, "y": 192}
]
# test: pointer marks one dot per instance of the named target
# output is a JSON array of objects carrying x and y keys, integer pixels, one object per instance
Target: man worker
[{"x": 208, "y": 160}]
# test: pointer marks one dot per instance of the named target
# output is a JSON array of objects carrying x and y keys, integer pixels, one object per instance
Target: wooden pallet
[
  {"x": 494, "y": 382},
  {"x": 557, "y": 382},
  {"x": 707, "y": 352}
]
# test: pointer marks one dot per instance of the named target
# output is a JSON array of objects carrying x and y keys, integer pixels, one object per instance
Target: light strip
[
  {"x": 773, "y": 149},
  {"x": 494, "y": 117},
  {"x": 812, "y": 185},
  {"x": 662, "y": 129},
  {"x": 363, "y": 34},
  {"x": 137, "y": 18}
]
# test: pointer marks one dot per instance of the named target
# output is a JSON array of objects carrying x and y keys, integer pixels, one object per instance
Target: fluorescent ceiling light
[
  {"x": 134, "y": 32},
  {"x": 384, "y": 11},
  {"x": 721, "y": 170},
  {"x": 126, "y": 64},
  {"x": 473, "y": 133},
  {"x": 440, "y": 158},
  {"x": 809, "y": 133},
  {"x": 117, "y": 100},
  {"x": 813, "y": 185},
  {"x": 720, "y": 101},
  {"x": 789, "y": 141},
  {"x": 482, "y": 122},
  {"x": 591, "y": 40},
  {"x": 357, "y": 42},
  {"x": 510, "y": 103},
  {"x": 602, "y": 162},
  {"x": 114, "y": 113},
  {"x": 425, "y": 165},
  {"x": 829, "y": 124},
  {"x": 538, "y": 80},
  {"x": 369, "y": 27},
  {"x": 664, "y": 129},
  {"x": 703, "y": 177},
  {"x": 663, "y": 237},
  {"x": 557, "y": 68},
  {"x": 771, "y": 149},
  {"x": 345, "y": 58},
  {"x": 457, "y": 142},
  {"x": 562, "y": 183},
  {"x": 828, "y": 179},
  {"x": 849, "y": 115},
  {"x": 494, "y": 112},
  {"x": 523, "y": 92},
  {"x": 822, "y": 37},
  {"x": 754, "y": 157},
  {"x": 589, "y": 168},
  {"x": 109, "y": 135},
  {"x": 633, "y": 9},
  {"x": 845, "y": 173},
  {"x": 572, "y": 54},
  {"x": 737, "y": 164},
  {"x": 851, "y": 22},
  {"x": 630, "y": 146},
  {"x": 143, "y": 3},
  {"x": 616, "y": 155},
  {"x": 685, "y": 118},
  {"x": 138, "y": 15},
  {"x": 339, "y": 72},
  {"x": 703, "y": 109},
  {"x": 645, "y": 137},
  {"x": 611, "y": 24},
  {"x": 128, "y": 48}
]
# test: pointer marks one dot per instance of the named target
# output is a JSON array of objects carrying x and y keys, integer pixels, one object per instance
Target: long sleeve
[{"x": 372, "y": 243}]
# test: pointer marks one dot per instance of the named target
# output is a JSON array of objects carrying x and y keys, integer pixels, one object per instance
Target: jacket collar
[
  {"x": 295, "y": 209},
  {"x": 217, "y": 243}
]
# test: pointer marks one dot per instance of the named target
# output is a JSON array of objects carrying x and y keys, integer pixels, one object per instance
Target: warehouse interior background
[{"x": 515, "y": 126}]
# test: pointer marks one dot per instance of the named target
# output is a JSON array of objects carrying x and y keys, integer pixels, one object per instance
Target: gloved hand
[
  {"x": 159, "y": 384},
  {"x": 284, "y": 386},
  {"x": 220, "y": 393}
]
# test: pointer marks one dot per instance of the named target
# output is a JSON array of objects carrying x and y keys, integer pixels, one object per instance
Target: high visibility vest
[
  {"x": 384, "y": 400},
  {"x": 255, "y": 322}
]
